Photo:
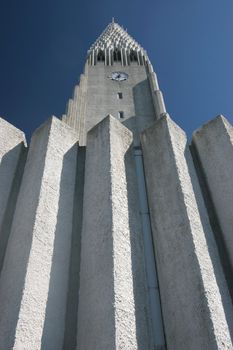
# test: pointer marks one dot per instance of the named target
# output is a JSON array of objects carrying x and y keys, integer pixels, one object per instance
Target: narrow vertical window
[
  {"x": 121, "y": 115},
  {"x": 120, "y": 95}
]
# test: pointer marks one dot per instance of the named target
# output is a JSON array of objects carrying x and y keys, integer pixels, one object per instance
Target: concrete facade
[
  {"x": 214, "y": 145},
  {"x": 98, "y": 96},
  {"x": 34, "y": 278},
  {"x": 112, "y": 265},
  {"x": 12, "y": 159},
  {"x": 196, "y": 303},
  {"x": 109, "y": 240},
  {"x": 136, "y": 102}
]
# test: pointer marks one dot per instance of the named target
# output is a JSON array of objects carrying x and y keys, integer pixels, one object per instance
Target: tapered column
[
  {"x": 34, "y": 279},
  {"x": 159, "y": 105},
  {"x": 81, "y": 108},
  {"x": 214, "y": 145},
  {"x": 196, "y": 305},
  {"x": 113, "y": 299},
  {"x": 12, "y": 151},
  {"x": 157, "y": 95}
]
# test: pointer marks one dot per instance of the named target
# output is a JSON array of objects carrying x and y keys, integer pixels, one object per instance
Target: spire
[{"x": 115, "y": 38}]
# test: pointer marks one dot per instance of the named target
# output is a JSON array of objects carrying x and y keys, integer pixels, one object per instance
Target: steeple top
[
  {"x": 115, "y": 39},
  {"x": 115, "y": 36}
]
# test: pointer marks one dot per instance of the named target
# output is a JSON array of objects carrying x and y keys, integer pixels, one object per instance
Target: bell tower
[{"x": 118, "y": 80}]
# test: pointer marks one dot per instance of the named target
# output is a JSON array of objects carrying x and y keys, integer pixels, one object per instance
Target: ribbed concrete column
[
  {"x": 12, "y": 151},
  {"x": 81, "y": 108},
  {"x": 214, "y": 145},
  {"x": 34, "y": 279},
  {"x": 152, "y": 78},
  {"x": 196, "y": 305},
  {"x": 113, "y": 300},
  {"x": 159, "y": 104},
  {"x": 157, "y": 95}
]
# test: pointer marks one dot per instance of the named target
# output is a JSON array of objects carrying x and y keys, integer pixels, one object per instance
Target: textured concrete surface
[
  {"x": 196, "y": 305},
  {"x": 34, "y": 279},
  {"x": 157, "y": 95},
  {"x": 102, "y": 99},
  {"x": 12, "y": 147},
  {"x": 113, "y": 299},
  {"x": 98, "y": 96},
  {"x": 70, "y": 337},
  {"x": 158, "y": 103},
  {"x": 46, "y": 301},
  {"x": 214, "y": 145}
]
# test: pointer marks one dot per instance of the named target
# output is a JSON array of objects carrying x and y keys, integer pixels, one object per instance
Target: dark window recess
[
  {"x": 133, "y": 56},
  {"x": 120, "y": 95},
  {"x": 100, "y": 56},
  {"x": 117, "y": 55},
  {"x": 121, "y": 114}
]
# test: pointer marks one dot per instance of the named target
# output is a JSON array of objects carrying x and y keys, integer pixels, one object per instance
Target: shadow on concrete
[
  {"x": 144, "y": 108},
  {"x": 70, "y": 337},
  {"x": 215, "y": 243},
  {"x": 130, "y": 123},
  {"x": 60, "y": 325},
  {"x": 6, "y": 224},
  {"x": 97, "y": 298},
  {"x": 19, "y": 245},
  {"x": 144, "y": 111},
  {"x": 137, "y": 252}
]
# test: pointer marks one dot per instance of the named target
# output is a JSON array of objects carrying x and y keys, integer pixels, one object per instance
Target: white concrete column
[
  {"x": 196, "y": 305},
  {"x": 64, "y": 118},
  {"x": 214, "y": 145},
  {"x": 153, "y": 81},
  {"x": 159, "y": 104},
  {"x": 105, "y": 57},
  {"x": 113, "y": 300},
  {"x": 81, "y": 109},
  {"x": 70, "y": 113},
  {"x": 12, "y": 149},
  {"x": 76, "y": 92},
  {"x": 12, "y": 143},
  {"x": 34, "y": 279}
]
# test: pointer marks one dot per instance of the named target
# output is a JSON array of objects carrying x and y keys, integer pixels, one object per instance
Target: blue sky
[{"x": 43, "y": 46}]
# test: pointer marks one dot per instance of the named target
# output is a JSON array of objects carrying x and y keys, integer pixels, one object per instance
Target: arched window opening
[
  {"x": 100, "y": 56},
  {"x": 117, "y": 56},
  {"x": 133, "y": 56}
]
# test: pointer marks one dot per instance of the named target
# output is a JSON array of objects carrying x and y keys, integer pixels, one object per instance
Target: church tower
[
  {"x": 115, "y": 232},
  {"x": 118, "y": 80}
]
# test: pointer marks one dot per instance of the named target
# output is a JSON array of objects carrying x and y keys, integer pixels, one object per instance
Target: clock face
[{"x": 118, "y": 76}]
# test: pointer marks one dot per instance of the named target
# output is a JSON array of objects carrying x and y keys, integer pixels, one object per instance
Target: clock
[{"x": 119, "y": 76}]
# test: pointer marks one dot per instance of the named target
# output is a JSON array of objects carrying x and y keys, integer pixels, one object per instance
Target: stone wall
[{"x": 73, "y": 271}]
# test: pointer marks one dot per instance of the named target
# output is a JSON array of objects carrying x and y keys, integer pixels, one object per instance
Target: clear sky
[{"x": 43, "y": 46}]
